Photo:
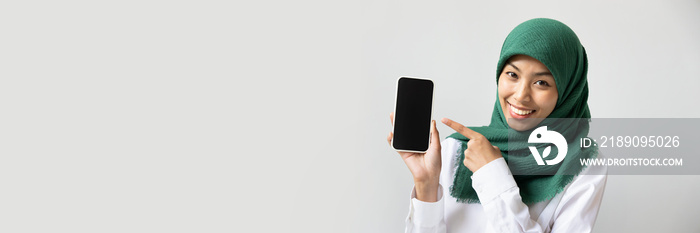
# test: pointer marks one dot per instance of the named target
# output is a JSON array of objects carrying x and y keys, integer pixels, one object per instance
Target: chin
[{"x": 523, "y": 124}]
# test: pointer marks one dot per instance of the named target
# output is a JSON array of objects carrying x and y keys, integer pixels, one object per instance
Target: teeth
[{"x": 520, "y": 112}]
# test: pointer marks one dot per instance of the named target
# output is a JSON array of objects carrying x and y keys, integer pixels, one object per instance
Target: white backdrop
[{"x": 271, "y": 116}]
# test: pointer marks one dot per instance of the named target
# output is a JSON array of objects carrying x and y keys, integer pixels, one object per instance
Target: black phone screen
[{"x": 414, "y": 103}]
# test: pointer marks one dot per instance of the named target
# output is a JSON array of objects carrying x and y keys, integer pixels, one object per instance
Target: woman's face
[{"x": 527, "y": 92}]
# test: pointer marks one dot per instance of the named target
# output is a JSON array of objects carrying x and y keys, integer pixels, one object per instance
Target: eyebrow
[
  {"x": 511, "y": 64},
  {"x": 546, "y": 73},
  {"x": 536, "y": 74}
]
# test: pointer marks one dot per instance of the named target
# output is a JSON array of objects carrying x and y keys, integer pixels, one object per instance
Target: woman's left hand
[{"x": 479, "y": 150}]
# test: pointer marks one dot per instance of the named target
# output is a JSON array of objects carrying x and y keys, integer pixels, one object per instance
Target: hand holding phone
[{"x": 424, "y": 161}]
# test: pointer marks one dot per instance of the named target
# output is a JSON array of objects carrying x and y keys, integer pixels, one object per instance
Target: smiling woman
[
  {"x": 526, "y": 89},
  {"x": 541, "y": 74}
]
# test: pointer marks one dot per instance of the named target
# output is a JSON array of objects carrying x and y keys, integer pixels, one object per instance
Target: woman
[{"x": 541, "y": 74}]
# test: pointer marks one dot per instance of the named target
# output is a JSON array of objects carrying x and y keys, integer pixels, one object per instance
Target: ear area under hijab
[{"x": 575, "y": 90}]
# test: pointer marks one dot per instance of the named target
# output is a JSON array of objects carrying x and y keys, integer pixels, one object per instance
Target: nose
[{"x": 522, "y": 92}]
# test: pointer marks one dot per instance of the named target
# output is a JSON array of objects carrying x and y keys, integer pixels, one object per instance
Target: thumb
[{"x": 434, "y": 134}]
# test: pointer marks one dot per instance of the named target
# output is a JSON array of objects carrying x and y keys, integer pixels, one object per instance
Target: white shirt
[{"x": 501, "y": 209}]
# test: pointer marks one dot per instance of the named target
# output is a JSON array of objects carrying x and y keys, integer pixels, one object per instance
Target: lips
[{"x": 518, "y": 112}]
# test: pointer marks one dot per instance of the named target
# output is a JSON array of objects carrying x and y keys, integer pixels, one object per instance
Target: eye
[
  {"x": 512, "y": 75},
  {"x": 541, "y": 82}
]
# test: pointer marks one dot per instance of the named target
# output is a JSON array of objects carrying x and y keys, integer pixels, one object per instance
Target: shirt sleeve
[
  {"x": 430, "y": 216},
  {"x": 500, "y": 197},
  {"x": 426, "y": 217}
]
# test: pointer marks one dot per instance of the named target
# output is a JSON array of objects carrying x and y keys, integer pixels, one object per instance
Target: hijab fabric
[{"x": 557, "y": 47}]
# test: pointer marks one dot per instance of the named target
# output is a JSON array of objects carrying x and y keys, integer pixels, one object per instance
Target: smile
[{"x": 519, "y": 111}]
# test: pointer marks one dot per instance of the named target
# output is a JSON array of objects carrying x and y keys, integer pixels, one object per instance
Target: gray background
[{"x": 271, "y": 116}]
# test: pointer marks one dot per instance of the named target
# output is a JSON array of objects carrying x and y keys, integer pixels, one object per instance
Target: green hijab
[{"x": 557, "y": 47}]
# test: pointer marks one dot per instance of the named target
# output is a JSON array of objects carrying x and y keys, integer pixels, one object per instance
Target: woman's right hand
[{"x": 425, "y": 167}]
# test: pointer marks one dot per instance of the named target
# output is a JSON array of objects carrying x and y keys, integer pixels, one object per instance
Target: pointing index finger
[{"x": 461, "y": 129}]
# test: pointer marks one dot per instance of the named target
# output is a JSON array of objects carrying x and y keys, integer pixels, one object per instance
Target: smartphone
[{"x": 412, "y": 114}]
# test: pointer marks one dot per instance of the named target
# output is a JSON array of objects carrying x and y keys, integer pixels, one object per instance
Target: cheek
[
  {"x": 547, "y": 101},
  {"x": 503, "y": 89}
]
